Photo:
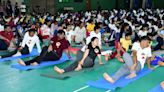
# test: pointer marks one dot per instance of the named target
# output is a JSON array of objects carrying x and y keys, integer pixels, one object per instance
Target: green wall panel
[{"x": 105, "y": 4}]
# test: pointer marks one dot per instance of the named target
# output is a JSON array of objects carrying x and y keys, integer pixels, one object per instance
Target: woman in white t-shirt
[{"x": 141, "y": 52}]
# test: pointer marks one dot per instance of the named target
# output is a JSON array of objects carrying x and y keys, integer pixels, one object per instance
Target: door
[{"x": 88, "y": 4}]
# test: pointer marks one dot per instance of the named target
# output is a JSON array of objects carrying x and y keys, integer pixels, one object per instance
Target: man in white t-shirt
[{"x": 141, "y": 52}]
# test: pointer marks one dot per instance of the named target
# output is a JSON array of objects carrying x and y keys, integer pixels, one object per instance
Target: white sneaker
[{"x": 17, "y": 54}]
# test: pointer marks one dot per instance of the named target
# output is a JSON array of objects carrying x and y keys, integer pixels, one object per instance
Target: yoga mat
[
  {"x": 158, "y": 53},
  {"x": 122, "y": 82},
  {"x": 69, "y": 74},
  {"x": 44, "y": 64},
  {"x": 157, "y": 89},
  {"x": 33, "y": 53}
]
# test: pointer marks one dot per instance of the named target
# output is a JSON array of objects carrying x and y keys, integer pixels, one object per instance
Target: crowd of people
[
  {"x": 139, "y": 32},
  {"x": 7, "y": 8}
]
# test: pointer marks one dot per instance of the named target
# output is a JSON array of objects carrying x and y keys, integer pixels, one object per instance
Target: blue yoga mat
[
  {"x": 33, "y": 53},
  {"x": 157, "y": 89},
  {"x": 102, "y": 83},
  {"x": 44, "y": 64}
]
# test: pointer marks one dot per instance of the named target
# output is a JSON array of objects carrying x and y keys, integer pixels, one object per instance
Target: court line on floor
[
  {"x": 108, "y": 91},
  {"x": 82, "y": 88}
]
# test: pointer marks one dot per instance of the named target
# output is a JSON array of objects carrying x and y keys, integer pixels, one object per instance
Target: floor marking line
[
  {"x": 82, "y": 88},
  {"x": 108, "y": 91}
]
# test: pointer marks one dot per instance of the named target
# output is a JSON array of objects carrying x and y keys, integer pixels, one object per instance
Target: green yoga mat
[{"x": 70, "y": 74}]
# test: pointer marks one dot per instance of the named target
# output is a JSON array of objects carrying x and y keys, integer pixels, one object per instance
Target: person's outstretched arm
[
  {"x": 84, "y": 56},
  {"x": 100, "y": 60}
]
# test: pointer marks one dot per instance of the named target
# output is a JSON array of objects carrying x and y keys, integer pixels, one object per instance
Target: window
[{"x": 64, "y": 1}]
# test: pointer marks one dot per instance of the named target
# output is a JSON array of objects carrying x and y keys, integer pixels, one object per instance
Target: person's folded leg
[
  {"x": 121, "y": 72},
  {"x": 128, "y": 60},
  {"x": 39, "y": 58},
  {"x": 9, "y": 54},
  {"x": 88, "y": 63},
  {"x": 3, "y": 45},
  {"x": 71, "y": 67},
  {"x": 50, "y": 56},
  {"x": 25, "y": 50}
]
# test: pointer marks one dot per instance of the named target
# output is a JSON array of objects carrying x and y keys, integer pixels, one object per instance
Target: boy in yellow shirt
[
  {"x": 123, "y": 46},
  {"x": 90, "y": 27},
  {"x": 126, "y": 41}
]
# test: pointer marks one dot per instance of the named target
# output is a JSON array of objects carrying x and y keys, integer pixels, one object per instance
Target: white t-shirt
[
  {"x": 113, "y": 27},
  {"x": 142, "y": 54},
  {"x": 69, "y": 35},
  {"x": 31, "y": 41},
  {"x": 80, "y": 34},
  {"x": 93, "y": 34},
  {"x": 23, "y": 8},
  {"x": 1, "y": 28},
  {"x": 45, "y": 30},
  {"x": 142, "y": 33}
]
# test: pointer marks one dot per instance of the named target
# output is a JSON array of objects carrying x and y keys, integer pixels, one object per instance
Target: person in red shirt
[
  {"x": 52, "y": 52},
  {"x": 6, "y": 37}
]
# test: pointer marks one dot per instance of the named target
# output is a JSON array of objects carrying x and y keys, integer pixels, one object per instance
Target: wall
[
  {"x": 158, "y": 4},
  {"x": 106, "y": 4},
  {"x": 77, "y": 6}
]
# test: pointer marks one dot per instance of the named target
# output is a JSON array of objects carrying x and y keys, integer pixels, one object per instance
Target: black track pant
[
  {"x": 24, "y": 51},
  {"x": 44, "y": 56},
  {"x": 87, "y": 63},
  {"x": 160, "y": 44}
]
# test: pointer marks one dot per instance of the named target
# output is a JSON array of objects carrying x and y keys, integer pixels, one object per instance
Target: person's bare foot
[
  {"x": 130, "y": 76},
  {"x": 120, "y": 59},
  {"x": 108, "y": 78},
  {"x": 107, "y": 57},
  {"x": 34, "y": 64},
  {"x": 21, "y": 62},
  {"x": 58, "y": 70},
  {"x": 162, "y": 85},
  {"x": 78, "y": 68}
]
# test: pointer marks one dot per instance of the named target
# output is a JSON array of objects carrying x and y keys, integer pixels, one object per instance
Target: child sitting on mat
[
  {"x": 28, "y": 43},
  {"x": 121, "y": 47},
  {"x": 50, "y": 53},
  {"x": 141, "y": 52},
  {"x": 84, "y": 59}
]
